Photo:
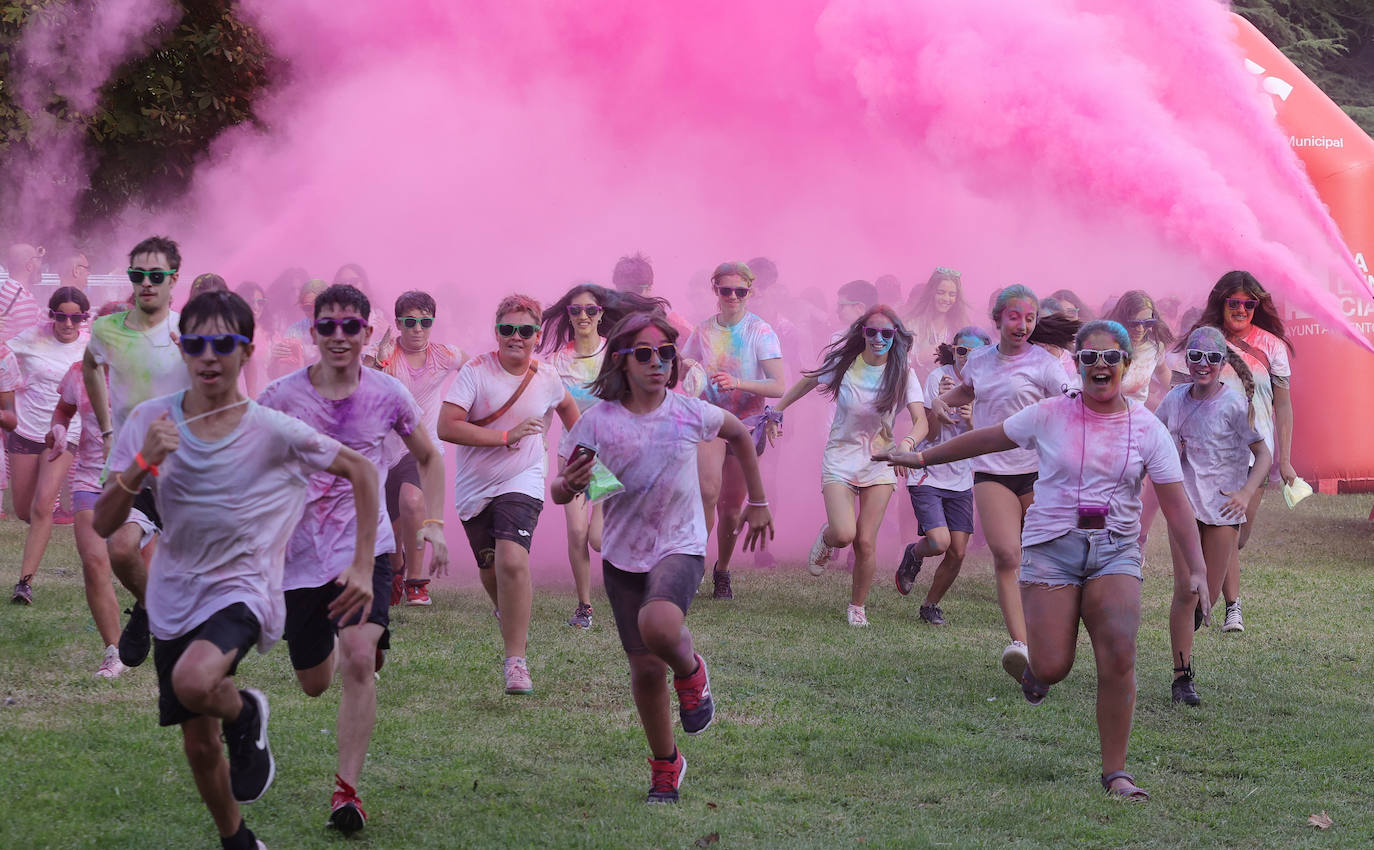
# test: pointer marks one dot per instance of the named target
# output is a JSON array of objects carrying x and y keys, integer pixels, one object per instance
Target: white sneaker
[
  {"x": 1234, "y": 622},
  {"x": 1015, "y": 659},
  {"x": 111, "y": 667},
  {"x": 856, "y": 615},
  {"x": 820, "y": 553}
]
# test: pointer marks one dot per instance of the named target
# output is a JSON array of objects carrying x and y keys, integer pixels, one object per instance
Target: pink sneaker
[
  {"x": 518, "y": 676},
  {"x": 111, "y": 667}
]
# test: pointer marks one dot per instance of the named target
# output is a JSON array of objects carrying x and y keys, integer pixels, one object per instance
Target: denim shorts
[{"x": 1080, "y": 555}]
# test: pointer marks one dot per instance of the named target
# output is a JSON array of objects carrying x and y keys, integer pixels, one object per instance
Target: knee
[
  {"x": 412, "y": 503},
  {"x": 938, "y": 541},
  {"x": 840, "y": 537},
  {"x": 1051, "y": 668},
  {"x": 1006, "y": 559},
  {"x": 864, "y": 547},
  {"x": 647, "y": 672},
  {"x": 359, "y": 659},
  {"x": 203, "y": 752},
  {"x": 124, "y": 552},
  {"x": 313, "y": 685},
  {"x": 1116, "y": 659},
  {"x": 192, "y": 688},
  {"x": 38, "y": 512}
]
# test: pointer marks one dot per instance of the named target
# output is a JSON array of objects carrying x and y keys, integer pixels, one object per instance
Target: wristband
[
  {"x": 107, "y": 433},
  {"x": 145, "y": 465},
  {"x": 920, "y": 460},
  {"x": 119, "y": 479},
  {"x": 753, "y": 504},
  {"x": 505, "y": 439},
  {"x": 437, "y": 522}
]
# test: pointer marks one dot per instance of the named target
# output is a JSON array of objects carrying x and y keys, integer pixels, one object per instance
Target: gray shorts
[{"x": 1079, "y": 556}]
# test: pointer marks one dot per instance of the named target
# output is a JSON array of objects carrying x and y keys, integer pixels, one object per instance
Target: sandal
[
  {"x": 1132, "y": 793},
  {"x": 1032, "y": 688}
]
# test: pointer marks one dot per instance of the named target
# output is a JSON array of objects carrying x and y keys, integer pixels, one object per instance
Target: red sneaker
[
  {"x": 666, "y": 778},
  {"x": 695, "y": 706},
  {"x": 417, "y": 591},
  {"x": 346, "y": 810},
  {"x": 398, "y": 588}
]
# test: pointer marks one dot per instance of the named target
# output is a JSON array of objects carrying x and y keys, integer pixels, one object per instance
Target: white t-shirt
[
  {"x": 1135, "y": 384},
  {"x": 1277, "y": 374},
  {"x": 659, "y": 513},
  {"x": 1214, "y": 438},
  {"x": 11, "y": 379},
  {"x": 43, "y": 361},
  {"x": 740, "y": 350},
  {"x": 578, "y": 371},
  {"x": 90, "y": 449},
  {"x": 1089, "y": 458},
  {"x": 322, "y": 546},
  {"x": 482, "y": 387},
  {"x": 1004, "y": 385},
  {"x": 426, "y": 385},
  {"x": 946, "y": 476},
  {"x": 142, "y": 364},
  {"x": 857, "y": 429},
  {"x": 227, "y": 510}
]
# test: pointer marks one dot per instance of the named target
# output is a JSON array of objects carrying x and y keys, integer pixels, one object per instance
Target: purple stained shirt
[{"x": 321, "y": 547}]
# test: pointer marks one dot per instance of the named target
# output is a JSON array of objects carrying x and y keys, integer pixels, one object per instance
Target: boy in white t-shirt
[
  {"x": 496, "y": 412},
  {"x": 232, "y": 481}
]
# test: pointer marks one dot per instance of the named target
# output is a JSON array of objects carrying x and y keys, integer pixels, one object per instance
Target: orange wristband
[
  {"x": 145, "y": 465},
  {"x": 505, "y": 439}
]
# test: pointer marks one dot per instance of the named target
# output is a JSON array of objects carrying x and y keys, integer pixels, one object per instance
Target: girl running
[
  {"x": 655, "y": 531},
  {"x": 573, "y": 331},
  {"x": 934, "y": 313},
  {"x": 743, "y": 360},
  {"x": 1213, "y": 427},
  {"x": 1000, "y": 380},
  {"x": 865, "y": 372},
  {"x": 1082, "y": 559},
  {"x": 1148, "y": 378},
  {"x": 1241, "y": 308},
  {"x": 942, "y": 496},
  {"x": 44, "y": 353}
]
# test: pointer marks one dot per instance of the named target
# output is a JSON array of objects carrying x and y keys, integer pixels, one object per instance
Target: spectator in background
[
  {"x": 1074, "y": 307},
  {"x": 254, "y": 370},
  {"x": 889, "y": 289},
  {"x": 852, "y": 301},
  {"x": 74, "y": 271},
  {"x": 295, "y": 349},
  {"x": 18, "y": 308},
  {"x": 934, "y": 313},
  {"x": 208, "y": 282},
  {"x": 636, "y": 274}
]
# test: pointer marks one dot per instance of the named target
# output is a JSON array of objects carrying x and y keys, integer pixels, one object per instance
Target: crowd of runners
[{"x": 248, "y": 477}]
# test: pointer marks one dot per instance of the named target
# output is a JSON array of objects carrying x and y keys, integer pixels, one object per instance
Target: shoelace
[
  {"x": 664, "y": 774},
  {"x": 689, "y": 695},
  {"x": 345, "y": 793}
]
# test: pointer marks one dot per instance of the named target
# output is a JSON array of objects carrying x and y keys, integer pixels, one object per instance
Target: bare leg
[
  {"x": 1111, "y": 613},
  {"x": 512, "y": 577},
  {"x": 841, "y": 523},
  {"x": 23, "y": 481},
  {"x": 1230, "y": 585},
  {"x": 729, "y": 510},
  {"x": 872, "y": 506},
  {"x": 95, "y": 571},
  {"x": 649, "y": 685},
  {"x": 710, "y": 460},
  {"x": 408, "y": 524},
  {"x": 1052, "y": 623},
  {"x": 50, "y": 477},
  {"x": 594, "y": 528},
  {"x": 358, "y": 706},
  {"x": 126, "y": 559},
  {"x": 948, "y": 571},
  {"x": 1001, "y": 512},
  {"x": 205, "y": 753},
  {"x": 579, "y": 528}
]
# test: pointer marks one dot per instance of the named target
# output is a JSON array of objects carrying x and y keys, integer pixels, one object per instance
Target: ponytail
[
  {"x": 1055, "y": 329},
  {"x": 944, "y": 354},
  {"x": 1247, "y": 380}
]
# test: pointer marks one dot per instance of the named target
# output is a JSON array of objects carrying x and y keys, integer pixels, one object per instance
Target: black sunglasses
[
  {"x": 1247, "y": 303},
  {"x": 962, "y": 350},
  {"x": 1197, "y": 355},
  {"x": 155, "y": 276},
  {"x": 525, "y": 331},
  {"x": 667, "y": 352},
  {"x": 1091, "y": 357},
  {"x": 1140, "y": 323},
  {"x": 68, "y": 318},
  {"x": 591, "y": 310},
  {"x": 873, "y": 333},
  {"x": 221, "y": 344},
  {"x": 409, "y": 322},
  {"x": 352, "y": 326},
  {"x": 740, "y": 292}
]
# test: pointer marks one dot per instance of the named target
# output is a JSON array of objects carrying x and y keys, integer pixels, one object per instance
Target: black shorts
[
  {"x": 673, "y": 579},
  {"x": 937, "y": 507},
  {"x": 233, "y": 629},
  {"x": 1022, "y": 484},
  {"x": 18, "y": 445},
  {"x": 310, "y": 633},
  {"x": 406, "y": 471},
  {"x": 147, "y": 505},
  {"x": 510, "y": 516}
]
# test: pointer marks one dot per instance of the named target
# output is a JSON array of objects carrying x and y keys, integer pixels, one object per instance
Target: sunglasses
[
  {"x": 591, "y": 310},
  {"x": 1197, "y": 355},
  {"x": 947, "y": 272},
  {"x": 68, "y": 318},
  {"x": 964, "y": 350},
  {"x": 1248, "y": 303},
  {"x": 409, "y": 322},
  {"x": 873, "y": 333},
  {"x": 155, "y": 276},
  {"x": 1091, "y": 357},
  {"x": 351, "y": 326},
  {"x": 667, "y": 352},
  {"x": 740, "y": 292},
  {"x": 1145, "y": 324},
  {"x": 525, "y": 331},
  {"x": 222, "y": 344}
]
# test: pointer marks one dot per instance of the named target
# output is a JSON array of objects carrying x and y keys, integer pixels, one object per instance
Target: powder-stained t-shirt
[
  {"x": 946, "y": 476},
  {"x": 18, "y": 309},
  {"x": 483, "y": 386},
  {"x": 1277, "y": 375},
  {"x": 1214, "y": 436},
  {"x": 90, "y": 449},
  {"x": 1135, "y": 383},
  {"x": 858, "y": 429},
  {"x": 659, "y": 513},
  {"x": 740, "y": 350},
  {"x": 322, "y": 546},
  {"x": 1004, "y": 385},
  {"x": 142, "y": 364},
  {"x": 1089, "y": 458},
  {"x": 11, "y": 379},
  {"x": 577, "y": 372},
  {"x": 426, "y": 384},
  {"x": 228, "y": 508},
  {"x": 43, "y": 361}
]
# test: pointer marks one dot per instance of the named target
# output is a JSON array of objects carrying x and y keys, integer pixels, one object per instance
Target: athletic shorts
[
  {"x": 406, "y": 471},
  {"x": 937, "y": 507},
  {"x": 83, "y": 500},
  {"x": 310, "y": 632},
  {"x": 510, "y": 516},
  {"x": 233, "y": 629},
  {"x": 18, "y": 445},
  {"x": 1080, "y": 555},
  {"x": 1022, "y": 484},
  {"x": 674, "y": 579},
  {"x": 144, "y": 514}
]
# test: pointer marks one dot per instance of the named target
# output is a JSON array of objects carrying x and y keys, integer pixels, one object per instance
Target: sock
[
  {"x": 672, "y": 757},
  {"x": 244, "y": 839},
  {"x": 246, "y": 713}
]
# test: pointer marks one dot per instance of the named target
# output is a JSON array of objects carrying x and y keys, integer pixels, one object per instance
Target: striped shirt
[{"x": 18, "y": 309}]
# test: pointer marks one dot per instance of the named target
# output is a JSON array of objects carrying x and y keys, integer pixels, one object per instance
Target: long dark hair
[
  {"x": 558, "y": 329},
  {"x": 1266, "y": 314},
  {"x": 920, "y": 304},
  {"x": 1132, "y": 302},
  {"x": 840, "y": 355},
  {"x": 610, "y": 384},
  {"x": 1055, "y": 329}
]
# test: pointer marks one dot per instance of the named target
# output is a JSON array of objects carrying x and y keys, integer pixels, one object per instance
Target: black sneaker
[
  {"x": 251, "y": 767},
  {"x": 23, "y": 592},
  {"x": 933, "y": 615},
  {"x": 721, "y": 581},
  {"x": 135, "y": 641},
  {"x": 1185, "y": 692},
  {"x": 906, "y": 572}
]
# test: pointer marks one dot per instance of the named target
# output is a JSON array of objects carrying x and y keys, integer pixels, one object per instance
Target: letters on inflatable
[{"x": 1333, "y": 447}]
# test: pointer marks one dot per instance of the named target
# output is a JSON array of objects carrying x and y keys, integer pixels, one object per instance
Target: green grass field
[{"x": 899, "y": 735}]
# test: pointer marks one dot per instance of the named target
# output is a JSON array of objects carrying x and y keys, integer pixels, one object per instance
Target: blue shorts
[
  {"x": 83, "y": 500},
  {"x": 1080, "y": 555},
  {"x": 937, "y": 507}
]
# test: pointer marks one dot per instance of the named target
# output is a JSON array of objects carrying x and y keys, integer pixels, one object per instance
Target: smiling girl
[{"x": 934, "y": 312}]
